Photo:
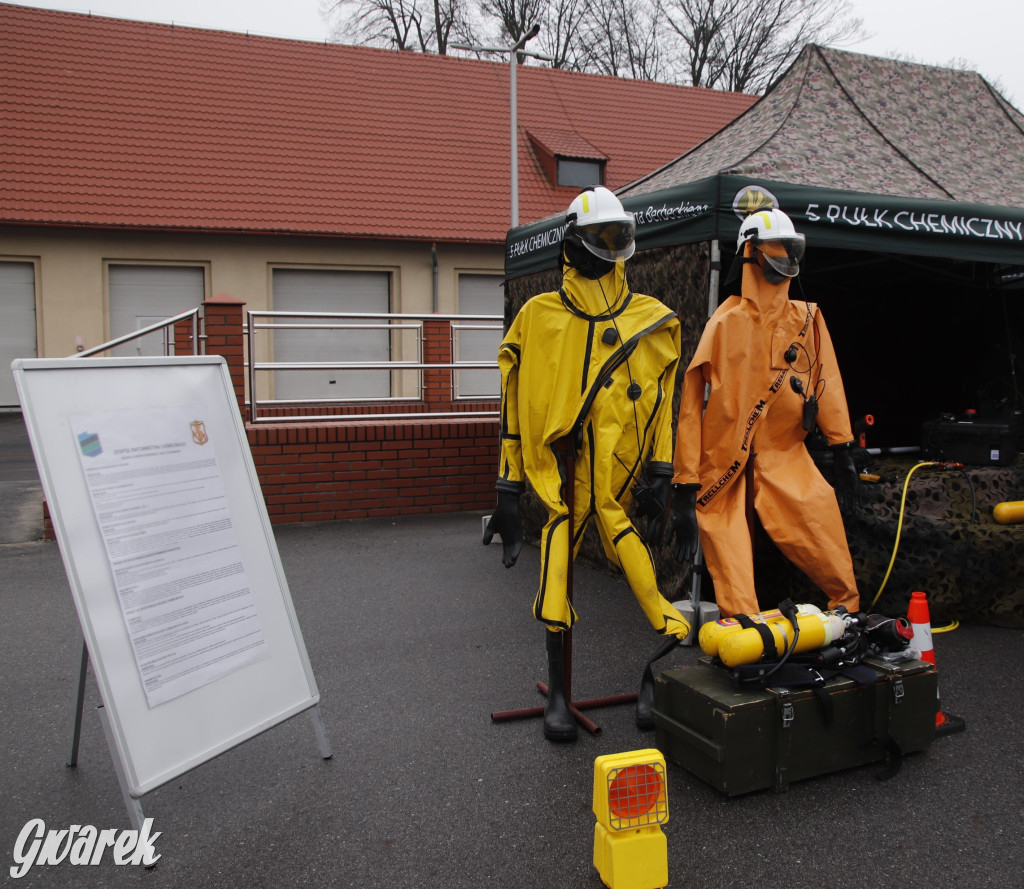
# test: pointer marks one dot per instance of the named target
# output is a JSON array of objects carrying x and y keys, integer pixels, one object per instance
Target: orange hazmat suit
[
  {"x": 748, "y": 449},
  {"x": 567, "y": 364}
]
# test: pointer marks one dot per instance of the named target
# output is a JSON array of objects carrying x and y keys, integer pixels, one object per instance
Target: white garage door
[
  {"x": 326, "y": 290},
  {"x": 479, "y": 295},
  {"x": 141, "y": 295},
  {"x": 17, "y": 323}
]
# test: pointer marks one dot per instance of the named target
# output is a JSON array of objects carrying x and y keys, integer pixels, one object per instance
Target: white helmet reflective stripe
[
  {"x": 598, "y": 219},
  {"x": 767, "y": 225},
  {"x": 774, "y": 225}
]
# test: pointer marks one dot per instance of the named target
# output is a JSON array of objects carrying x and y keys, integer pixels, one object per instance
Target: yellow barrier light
[{"x": 631, "y": 804}]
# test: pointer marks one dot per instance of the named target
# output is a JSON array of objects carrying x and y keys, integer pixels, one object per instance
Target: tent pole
[
  {"x": 716, "y": 270},
  {"x": 698, "y": 557}
]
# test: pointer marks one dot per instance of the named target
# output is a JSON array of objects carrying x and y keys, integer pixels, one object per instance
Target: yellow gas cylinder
[
  {"x": 1010, "y": 512},
  {"x": 713, "y": 632},
  {"x": 816, "y": 631}
]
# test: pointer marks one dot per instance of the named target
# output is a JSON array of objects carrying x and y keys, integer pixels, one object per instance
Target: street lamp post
[{"x": 513, "y": 53}]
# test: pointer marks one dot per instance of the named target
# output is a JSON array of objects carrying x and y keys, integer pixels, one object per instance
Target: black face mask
[
  {"x": 772, "y": 276},
  {"x": 581, "y": 259}
]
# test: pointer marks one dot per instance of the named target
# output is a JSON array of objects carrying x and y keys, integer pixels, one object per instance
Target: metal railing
[
  {"x": 166, "y": 326},
  {"x": 405, "y": 336}
]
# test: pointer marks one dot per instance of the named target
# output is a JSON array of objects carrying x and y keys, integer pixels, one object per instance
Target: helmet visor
[
  {"x": 609, "y": 240},
  {"x": 784, "y": 255}
]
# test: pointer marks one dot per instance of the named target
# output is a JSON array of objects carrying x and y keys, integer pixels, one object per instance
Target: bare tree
[
  {"x": 624, "y": 39},
  {"x": 561, "y": 24},
  {"x": 700, "y": 26},
  {"x": 423, "y": 25},
  {"x": 744, "y": 46},
  {"x": 513, "y": 17},
  {"x": 741, "y": 45}
]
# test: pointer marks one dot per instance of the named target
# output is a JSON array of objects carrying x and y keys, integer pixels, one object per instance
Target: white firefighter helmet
[
  {"x": 773, "y": 225},
  {"x": 596, "y": 217}
]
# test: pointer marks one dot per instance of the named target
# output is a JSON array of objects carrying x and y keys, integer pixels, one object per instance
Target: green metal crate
[{"x": 744, "y": 740}]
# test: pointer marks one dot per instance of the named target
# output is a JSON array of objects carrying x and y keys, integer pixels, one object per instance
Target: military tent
[{"x": 908, "y": 181}]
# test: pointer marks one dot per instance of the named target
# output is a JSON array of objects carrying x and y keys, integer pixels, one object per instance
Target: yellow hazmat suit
[
  {"x": 748, "y": 450},
  {"x": 567, "y": 365}
]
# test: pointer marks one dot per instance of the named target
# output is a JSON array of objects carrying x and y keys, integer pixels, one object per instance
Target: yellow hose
[{"x": 899, "y": 529}]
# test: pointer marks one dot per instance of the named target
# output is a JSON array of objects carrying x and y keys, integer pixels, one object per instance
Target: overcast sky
[{"x": 986, "y": 33}]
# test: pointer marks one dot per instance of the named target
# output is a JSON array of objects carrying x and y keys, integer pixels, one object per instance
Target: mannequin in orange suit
[{"x": 768, "y": 362}]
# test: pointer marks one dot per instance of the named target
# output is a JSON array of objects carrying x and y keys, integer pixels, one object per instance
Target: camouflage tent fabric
[{"x": 843, "y": 120}]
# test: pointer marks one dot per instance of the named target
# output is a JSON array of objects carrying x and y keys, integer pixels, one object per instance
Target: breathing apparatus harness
[
  {"x": 814, "y": 388},
  {"x": 864, "y": 634}
]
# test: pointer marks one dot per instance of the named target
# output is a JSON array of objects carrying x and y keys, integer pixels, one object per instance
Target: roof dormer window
[{"x": 568, "y": 159}]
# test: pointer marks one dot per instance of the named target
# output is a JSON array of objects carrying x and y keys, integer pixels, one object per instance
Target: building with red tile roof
[{"x": 150, "y": 146}]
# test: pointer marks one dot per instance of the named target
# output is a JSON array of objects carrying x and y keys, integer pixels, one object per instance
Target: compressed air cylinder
[
  {"x": 1010, "y": 512},
  {"x": 816, "y": 631},
  {"x": 712, "y": 633}
]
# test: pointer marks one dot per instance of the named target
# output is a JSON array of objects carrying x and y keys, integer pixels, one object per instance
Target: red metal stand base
[
  {"x": 575, "y": 707},
  {"x": 565, "y": 448}
]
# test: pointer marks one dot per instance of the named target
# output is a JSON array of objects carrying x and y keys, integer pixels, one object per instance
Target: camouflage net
[{"x": 950, "y": 546}]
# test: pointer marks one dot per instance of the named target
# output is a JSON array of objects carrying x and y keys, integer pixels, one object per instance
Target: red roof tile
[
  {"x": 113, "y": 123},
  {"x": 565, "y": 144}
]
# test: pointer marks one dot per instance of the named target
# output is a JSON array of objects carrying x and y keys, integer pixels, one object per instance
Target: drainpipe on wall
[{"x": 433, "y": 259}]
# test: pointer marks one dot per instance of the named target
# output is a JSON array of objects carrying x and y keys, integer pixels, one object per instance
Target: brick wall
[{"x": 329, "y": 470}]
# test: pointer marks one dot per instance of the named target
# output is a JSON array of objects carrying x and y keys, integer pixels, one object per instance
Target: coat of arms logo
[{"x": 199, "y": 435}]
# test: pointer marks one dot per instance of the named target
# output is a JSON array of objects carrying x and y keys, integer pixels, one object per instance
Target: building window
[
  {"x": 314, "y": 341},
  {"x": 580, "y": 174},
  {"x": 479, "y": 340}
]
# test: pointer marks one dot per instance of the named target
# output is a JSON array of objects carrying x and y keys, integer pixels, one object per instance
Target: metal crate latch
[
  {"x": 897, "y": 690},
  {"x": 787, "y": 708}
]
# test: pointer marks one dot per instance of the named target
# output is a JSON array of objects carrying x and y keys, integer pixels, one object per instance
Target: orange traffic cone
[{"x": 921, "y": 625}]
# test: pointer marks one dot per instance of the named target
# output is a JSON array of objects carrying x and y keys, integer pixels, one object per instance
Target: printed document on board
[{"x": 159, "y": 500}]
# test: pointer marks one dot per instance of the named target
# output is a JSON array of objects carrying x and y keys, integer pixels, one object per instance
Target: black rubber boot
[
  {"x": 559, "y": 723},
  {"x": 645, "y": 697}
]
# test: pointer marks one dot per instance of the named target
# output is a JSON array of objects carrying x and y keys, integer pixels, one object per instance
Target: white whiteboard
[{"x": 156, "y": 744}]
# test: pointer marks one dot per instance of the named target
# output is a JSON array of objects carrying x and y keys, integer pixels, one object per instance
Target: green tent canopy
[{"x": 863, "y": 153}]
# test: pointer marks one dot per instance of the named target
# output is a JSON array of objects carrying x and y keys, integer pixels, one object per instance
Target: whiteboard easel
[{"x": 151, "y": 745}]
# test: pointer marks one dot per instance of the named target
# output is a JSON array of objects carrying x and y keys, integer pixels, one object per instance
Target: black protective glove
[
  {"x": 652, "y": 498},
  {"x": 845, "y": 477},
  {"x": 681, "y": 521},
  {"x": 506, "y": 522}
]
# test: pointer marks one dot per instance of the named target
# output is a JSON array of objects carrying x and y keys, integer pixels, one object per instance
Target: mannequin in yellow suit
[
  {"x": 773, "y": 376},
  {"x": 596, "y": 363}
]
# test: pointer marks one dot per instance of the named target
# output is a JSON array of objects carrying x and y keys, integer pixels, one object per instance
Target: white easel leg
[
  {"x": 133, "y": 806},
  {"x": 321, "y": 732}
]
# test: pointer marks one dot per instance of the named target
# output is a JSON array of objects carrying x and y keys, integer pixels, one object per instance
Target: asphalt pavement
[
  {"x": 416, "y": 633},
  {"x": 20, "y": 491}
]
